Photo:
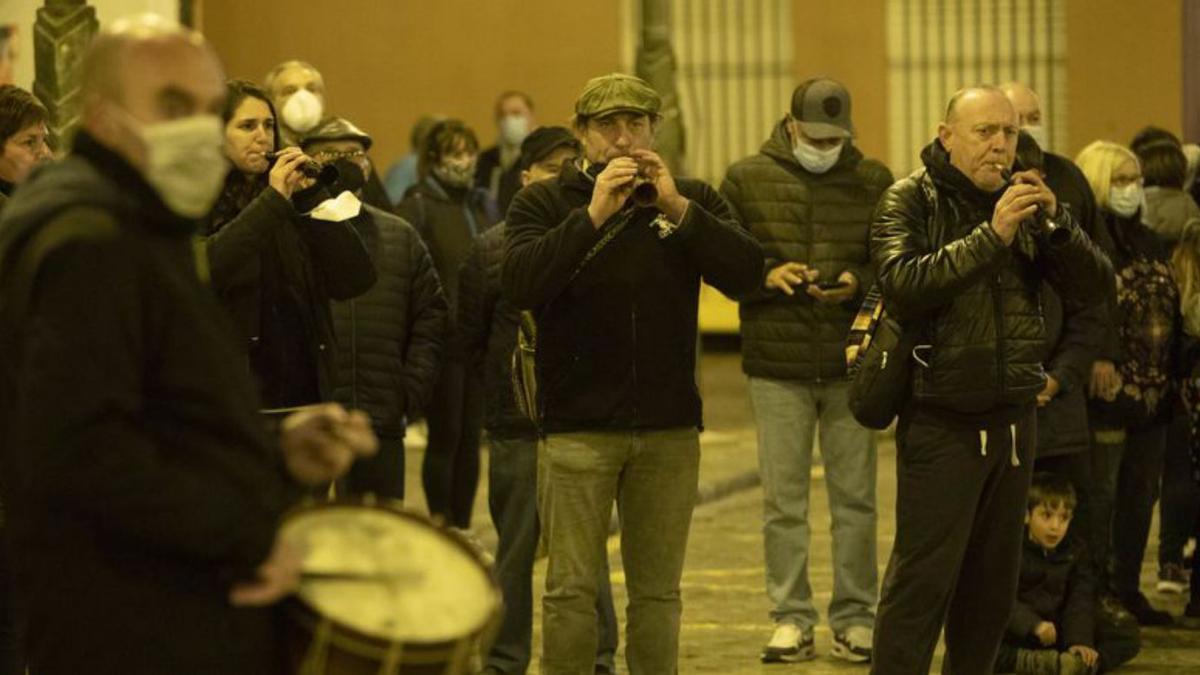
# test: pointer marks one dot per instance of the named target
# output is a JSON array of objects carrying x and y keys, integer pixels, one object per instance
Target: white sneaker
[
  {"x": 789, "y": 644},
  {"x": 854, "y": 644}
]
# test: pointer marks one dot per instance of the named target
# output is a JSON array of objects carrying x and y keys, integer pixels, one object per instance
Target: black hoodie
[
  {"x": 139, "y": 480},
  {"x": 617, "y": 345}
]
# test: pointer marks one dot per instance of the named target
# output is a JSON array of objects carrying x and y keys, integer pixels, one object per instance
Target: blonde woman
[
  {"x": 1185, "y": 263},
  {"x": 1131, "y": 387}
]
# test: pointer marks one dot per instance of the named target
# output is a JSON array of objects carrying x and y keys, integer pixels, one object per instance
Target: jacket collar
[
  {"x": 142, "y": 198},
  {"x": 946, "y": 175}
]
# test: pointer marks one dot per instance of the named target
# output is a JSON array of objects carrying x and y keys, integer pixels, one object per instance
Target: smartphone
[{"x": 832, "y": 285}]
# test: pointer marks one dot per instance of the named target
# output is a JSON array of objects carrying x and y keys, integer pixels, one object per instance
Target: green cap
[{"x": 616, "y": 93}]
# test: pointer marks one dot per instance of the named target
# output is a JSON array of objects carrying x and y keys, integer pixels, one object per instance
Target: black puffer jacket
[
  {"x": 1055, "y": 586},
  {"x": 617, "y": 346},
  {"x": 820, "y": 220},
  {"x": 487, "y": 326},
  {"x": 275, "y": 271},
  {"x": 940, "y": 262},
  {"x": 1074, "y": 332},
  {"x": 390, "y": 339}
]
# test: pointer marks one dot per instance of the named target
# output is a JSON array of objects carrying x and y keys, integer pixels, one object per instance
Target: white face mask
[
  {"x": 514, "y": 129},
  {"x": 1039, "y": 136},
  {"x": 302, "y": 111},
  {"x": 1125, "y": 201},
  {"x": 185, "y": 162},
  {"x": 815, "y": 160}
]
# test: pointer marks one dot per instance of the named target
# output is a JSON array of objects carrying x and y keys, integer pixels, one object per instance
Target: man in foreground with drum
[
  {"x": 614, "y": 284},
  {"x": 143, "y": 493}
]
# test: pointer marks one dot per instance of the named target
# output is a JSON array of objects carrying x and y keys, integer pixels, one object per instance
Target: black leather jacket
[{"x": 940, "y": 262}]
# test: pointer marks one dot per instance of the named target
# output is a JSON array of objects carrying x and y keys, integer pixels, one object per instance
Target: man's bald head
[
  {"x": 149, "y": 69},
  {"x": 1026, "y": 102},
  {"x": 980, "y": 135},
  {"x": 968, "y": 95}
]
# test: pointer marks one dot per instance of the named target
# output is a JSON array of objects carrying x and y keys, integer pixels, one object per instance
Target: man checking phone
[{"x": 808, "y": 197}]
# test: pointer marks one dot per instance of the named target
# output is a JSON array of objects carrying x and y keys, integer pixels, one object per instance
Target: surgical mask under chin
[
  {"x": 185, "y": 163},
  {"x": 455, "y": 175},
  {"x": 1038, "y": 133},
  {"x": 1125, "y": 201},
  {"x": 815, "y": 160},
  {"x": 302, "y": 111},
  {"x": 514, "y": 129}
]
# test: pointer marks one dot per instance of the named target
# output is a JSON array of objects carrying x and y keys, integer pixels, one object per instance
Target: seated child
[{"x": 1055, "y": 628}]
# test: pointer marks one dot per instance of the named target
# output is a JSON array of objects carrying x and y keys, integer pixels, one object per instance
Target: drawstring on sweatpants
[
  {"x": 1012, "y": 436},
  {"x": 1016, "y": 458}
]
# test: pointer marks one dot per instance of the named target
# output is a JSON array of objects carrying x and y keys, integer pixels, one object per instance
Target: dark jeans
[
  {"x": 1077, "y": 468},
  {"x": 450, "y": 472},
  {"x": 1107, "y": 447},
  {"x": 381, "y": 475},
  {"x": 1117, "y": 643},
  {"x": 1180, "y": 495},
  {"x": 10, "y": 663},
  {"x": 1137, "y": 491},
  {"x": 512, "y": 499},
  {"x": 960, "y": 508}
]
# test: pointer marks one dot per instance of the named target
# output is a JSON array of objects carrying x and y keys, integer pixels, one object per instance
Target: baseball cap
[
  {"x": 336, "y": 129},
  {"x": 614, "y": 93},
  {"x": 542, "y": 141},
  {"x": 822, "y": 107}
]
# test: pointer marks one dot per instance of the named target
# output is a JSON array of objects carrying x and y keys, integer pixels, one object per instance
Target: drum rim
[{"x": 312, "y": 615}]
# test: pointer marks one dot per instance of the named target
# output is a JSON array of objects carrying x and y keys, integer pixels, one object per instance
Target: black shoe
[
  {"x": 1191, "y": 615},
  {"x": 1145, "y": 613}
]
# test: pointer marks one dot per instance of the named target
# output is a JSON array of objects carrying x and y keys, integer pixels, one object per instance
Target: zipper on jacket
[
  {"x": 636, "y": 389},
  {"x": 354, "y": 354},
  {"x": 812, "y": 238},
  {"x": 997, "y": 301}
]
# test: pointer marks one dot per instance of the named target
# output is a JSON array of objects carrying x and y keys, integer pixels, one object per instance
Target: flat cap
[{"x": 615, "y": 93}]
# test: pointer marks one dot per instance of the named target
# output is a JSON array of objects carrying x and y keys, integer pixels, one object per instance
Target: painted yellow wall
[
  {"x": 847, "y": 42},
  {"x": 1124, "y": 68},
  {"x": 387, "y": 63}
]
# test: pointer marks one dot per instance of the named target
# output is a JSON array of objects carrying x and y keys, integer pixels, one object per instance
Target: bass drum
[{"x": 385, "y": 592}]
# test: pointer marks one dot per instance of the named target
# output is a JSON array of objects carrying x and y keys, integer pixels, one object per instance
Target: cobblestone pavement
[{"x": 725, "y": 619}]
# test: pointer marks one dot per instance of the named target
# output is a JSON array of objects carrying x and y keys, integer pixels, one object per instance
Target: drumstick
[{"x": 344, "y": 575}]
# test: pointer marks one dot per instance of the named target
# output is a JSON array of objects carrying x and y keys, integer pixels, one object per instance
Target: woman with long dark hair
[{"x": 276, "y": 259}]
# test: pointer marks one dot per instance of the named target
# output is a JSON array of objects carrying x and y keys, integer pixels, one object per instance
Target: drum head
[{"x": 390, "y": 575}]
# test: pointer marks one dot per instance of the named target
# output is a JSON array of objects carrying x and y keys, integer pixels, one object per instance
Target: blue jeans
[
  {"x": 652, "y": 476},
  {"x": 512, "y": 499},
  {"x": 789, "y": 414}
]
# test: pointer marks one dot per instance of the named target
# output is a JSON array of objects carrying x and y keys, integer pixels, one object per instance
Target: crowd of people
[{"x": 210, "y": 250}]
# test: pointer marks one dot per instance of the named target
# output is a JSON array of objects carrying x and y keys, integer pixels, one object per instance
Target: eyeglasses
[{"x": 331, "y": 156}]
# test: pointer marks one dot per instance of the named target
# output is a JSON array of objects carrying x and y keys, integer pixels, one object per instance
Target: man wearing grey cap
[
  {"x": 614, "y": 284},
  {"x": 808, "y": 197}
]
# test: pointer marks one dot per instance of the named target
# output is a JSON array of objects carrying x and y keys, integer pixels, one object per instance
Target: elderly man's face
[
  {"x": 294, "y": 78},
  {"x": 982, "y": 138},
  {"x": 168, "y": 79},
  {"x": 616, "y": 135},
  {"x": 328, "y": 152},
  {"x": 1027, "y": 104}
]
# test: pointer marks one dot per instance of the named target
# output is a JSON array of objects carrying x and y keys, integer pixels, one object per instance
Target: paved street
[{"x": 725, "y": 609}]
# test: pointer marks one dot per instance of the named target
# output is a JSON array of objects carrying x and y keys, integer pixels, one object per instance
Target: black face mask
[{"x": 350, "y": 176}]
